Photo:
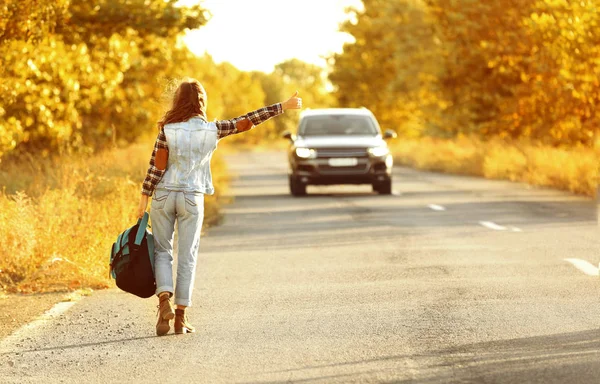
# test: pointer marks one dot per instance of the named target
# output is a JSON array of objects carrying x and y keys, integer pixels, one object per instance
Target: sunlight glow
[{"x": 257, "y": 35}]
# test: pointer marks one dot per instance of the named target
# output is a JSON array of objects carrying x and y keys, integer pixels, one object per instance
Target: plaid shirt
[{"x": 224, "y": 129}]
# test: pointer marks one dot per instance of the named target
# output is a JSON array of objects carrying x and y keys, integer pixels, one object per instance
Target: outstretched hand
[{"x": 293, "y": 102}]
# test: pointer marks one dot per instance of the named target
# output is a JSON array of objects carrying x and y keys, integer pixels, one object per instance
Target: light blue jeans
[{"x": 188, "y": 210}]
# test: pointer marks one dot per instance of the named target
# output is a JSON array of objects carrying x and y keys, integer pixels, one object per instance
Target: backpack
[{"x": 132, "y": 260}]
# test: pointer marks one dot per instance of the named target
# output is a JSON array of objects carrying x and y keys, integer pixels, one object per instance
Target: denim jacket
[{"x": 190, "y": 145}]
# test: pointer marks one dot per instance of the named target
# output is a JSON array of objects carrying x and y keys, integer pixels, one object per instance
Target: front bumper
[{"x": 368, "y": 170}]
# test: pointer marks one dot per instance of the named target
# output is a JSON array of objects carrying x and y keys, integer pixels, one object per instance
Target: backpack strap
[
  {"x": 151, "y": 249},
  {"x": 142, "y": 225},
  {"x": 115, "y": 256},
  {"x": 118, "y": 245}
]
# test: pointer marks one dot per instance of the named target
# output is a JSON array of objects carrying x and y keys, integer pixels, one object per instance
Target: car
[{"x": 339, "y": 146}]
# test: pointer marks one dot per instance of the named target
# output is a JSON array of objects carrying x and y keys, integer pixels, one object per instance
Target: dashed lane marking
[
  {"x": 584, "y": 266},
  {"x": 492, "y": 225},
  {"x": 436, "y": 207}
]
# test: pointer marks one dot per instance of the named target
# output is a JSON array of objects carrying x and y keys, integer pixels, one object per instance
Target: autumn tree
[
  {"x": 511, "y": 68},
  {"x": 391, "y": 67},
  {"x": 520, "y": 68},
  {"x": 289, "y": 76},
  {"x": 76, "y": 74}
]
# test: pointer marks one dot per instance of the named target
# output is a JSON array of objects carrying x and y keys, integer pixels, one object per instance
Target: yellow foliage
[
  {"x": 459, "y": 156},
  {"x": 79, "y": 75},
  {"x": 575, "y": 170},
  {"x": 570, "y": 169},
  {"x": 504, "y": 162},
  {"x": 509, "y": 69}
]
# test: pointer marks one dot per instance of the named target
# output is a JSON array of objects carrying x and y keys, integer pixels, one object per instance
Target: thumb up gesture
[{"x": 293, "y": 102}]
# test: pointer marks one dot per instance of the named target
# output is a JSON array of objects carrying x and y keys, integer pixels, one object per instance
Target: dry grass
[
  {"x": 573, "y": 169},
  {"x": 59, "y": 220}
]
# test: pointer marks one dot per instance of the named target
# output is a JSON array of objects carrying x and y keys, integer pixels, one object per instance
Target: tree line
[
  {"x": 81, "y": 76},
  {"x": 514, "y": 69}
]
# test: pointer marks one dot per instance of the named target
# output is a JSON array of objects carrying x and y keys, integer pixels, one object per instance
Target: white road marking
[
  {"x": 515, "y": 229},
  {"x": 396, "y": 193},
  {"x": 436, "y": 207},
  {"x": 584, "y": 266},
  {"x": 29, "y": 329},
  {"x": 492, "y": 225}
]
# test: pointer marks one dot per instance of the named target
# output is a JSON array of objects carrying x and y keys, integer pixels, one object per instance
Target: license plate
[{"x": 343, "y": 162}]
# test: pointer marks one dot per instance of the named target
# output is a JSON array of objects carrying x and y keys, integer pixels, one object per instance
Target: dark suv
[{"x": 339, "y": 146}]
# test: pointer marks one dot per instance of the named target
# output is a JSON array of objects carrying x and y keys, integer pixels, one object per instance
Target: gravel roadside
[{"x": 17, "y": 310}]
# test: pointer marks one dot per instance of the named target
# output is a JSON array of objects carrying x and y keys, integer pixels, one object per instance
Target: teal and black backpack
[{"x": 132, "y": 260}]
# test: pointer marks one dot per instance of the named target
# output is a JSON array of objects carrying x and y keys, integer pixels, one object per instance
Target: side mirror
[
  {"x": 288, "y": 135},
  {"x": 389, "y": 134}
]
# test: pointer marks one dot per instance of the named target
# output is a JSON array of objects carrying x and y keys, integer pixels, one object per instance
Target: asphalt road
[{"x": 451, "y": 279}]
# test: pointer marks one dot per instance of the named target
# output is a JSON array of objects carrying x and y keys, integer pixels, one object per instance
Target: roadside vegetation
[
  {"x": 571, "y": 169},
  {"x": 503, "y": 89},
  {"x": 58, "y": 219}
]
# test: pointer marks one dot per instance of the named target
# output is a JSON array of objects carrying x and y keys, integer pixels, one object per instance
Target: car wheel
[
  {"x": 296, "y": 187},
  {"x": 385, "y": 188}
]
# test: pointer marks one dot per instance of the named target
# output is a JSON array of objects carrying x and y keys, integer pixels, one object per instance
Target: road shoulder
[{"x": 16, "y": 310}]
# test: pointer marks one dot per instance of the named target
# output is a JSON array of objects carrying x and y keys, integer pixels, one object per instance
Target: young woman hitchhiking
[{"x": 179, "y": 176}]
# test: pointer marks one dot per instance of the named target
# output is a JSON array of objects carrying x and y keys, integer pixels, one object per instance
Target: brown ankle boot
[
  {"x": 181, "y": 322},
  {"x": 165, "y": 314}
]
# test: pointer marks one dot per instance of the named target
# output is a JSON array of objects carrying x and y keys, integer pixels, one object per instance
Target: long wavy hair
[{"x": 189, "y": 101}]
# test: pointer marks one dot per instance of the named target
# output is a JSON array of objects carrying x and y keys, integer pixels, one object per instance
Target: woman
[{"x": 179, "y": 176}]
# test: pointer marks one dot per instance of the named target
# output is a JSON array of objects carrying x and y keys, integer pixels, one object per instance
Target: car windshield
[{"x": 328, "y": 125}]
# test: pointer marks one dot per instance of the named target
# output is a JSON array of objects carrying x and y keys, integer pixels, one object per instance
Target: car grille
[
  {"x": 357, "y": 169},
  {"x": 341, "y": 152}
]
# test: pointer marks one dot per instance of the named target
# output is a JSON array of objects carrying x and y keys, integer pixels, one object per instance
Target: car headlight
[
  {"x": 306, "y": 153},
  {"x": 379, "y": 151}
]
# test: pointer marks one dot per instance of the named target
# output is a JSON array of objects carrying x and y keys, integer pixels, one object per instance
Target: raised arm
[{"x": 246, "y": 122}]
